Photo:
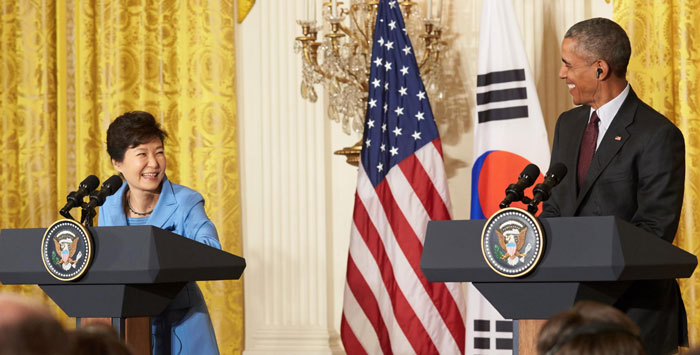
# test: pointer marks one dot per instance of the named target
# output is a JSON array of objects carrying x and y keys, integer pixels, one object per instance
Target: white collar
[{"x": 607, "y": 112}]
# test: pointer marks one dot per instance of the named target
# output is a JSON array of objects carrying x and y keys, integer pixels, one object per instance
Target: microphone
[
  {"x": 514, "y": 192},
  {"x": 109, "y": 187},
  {"x": 543, "y": 191},
  {"x": 75, "y": 198}
]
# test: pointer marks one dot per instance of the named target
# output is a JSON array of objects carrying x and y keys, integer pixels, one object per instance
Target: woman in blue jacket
[{"x": 135, "y": 145}]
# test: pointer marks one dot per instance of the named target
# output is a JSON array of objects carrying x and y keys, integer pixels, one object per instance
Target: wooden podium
[
  {"x": 135, "y": 273},
  {"x": 585, "y": 258}
]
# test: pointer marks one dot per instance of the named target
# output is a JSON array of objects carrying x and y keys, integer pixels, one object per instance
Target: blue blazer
[{"x": 184, "y": 327}]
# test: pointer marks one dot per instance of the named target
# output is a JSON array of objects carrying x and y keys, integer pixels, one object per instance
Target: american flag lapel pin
[{"x": 618, "y": 138}]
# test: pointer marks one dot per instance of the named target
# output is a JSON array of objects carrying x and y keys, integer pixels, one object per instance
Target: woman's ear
[{"x": 117, "y": 165}]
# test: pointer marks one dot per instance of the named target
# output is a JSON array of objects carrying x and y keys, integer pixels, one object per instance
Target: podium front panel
[{"x": 115, "y": 301}]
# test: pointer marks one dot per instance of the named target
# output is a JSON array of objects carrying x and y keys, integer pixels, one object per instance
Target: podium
[
  {"x": 585, "y": 258},
  {"x": 135, "y": 273}
]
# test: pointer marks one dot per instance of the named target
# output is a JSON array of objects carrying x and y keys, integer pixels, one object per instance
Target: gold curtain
[
  {"x": 244, "y": 7},
  {"x": 665, "y": 72},
  {"x": 68, "y": 68},
  {"x": 28, "y": 191}
]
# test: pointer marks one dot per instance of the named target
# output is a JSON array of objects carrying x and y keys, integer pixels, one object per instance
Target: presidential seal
[
  {"x": 512, "y": 242},
  {"x": 66, "y": 250}
]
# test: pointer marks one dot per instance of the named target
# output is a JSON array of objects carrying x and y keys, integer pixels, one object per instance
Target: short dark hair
[
  {"x": 601, "y": 38},
  {"x": 130, "y": 130},
  {"x": 97, "y": 338},
  {"x": 590, "y": 328}
]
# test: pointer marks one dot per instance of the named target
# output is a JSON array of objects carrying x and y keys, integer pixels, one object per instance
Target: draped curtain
[
  {"x": 244, "y": 7},
  {"x": 68, "y": 68},
  {"x": 665, "y": 72}
]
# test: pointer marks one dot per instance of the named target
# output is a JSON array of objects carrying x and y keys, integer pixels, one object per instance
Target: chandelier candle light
[{"x": 346, "y": 51}]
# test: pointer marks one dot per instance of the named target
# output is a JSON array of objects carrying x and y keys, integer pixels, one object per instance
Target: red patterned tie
[{"x": 588, "y": 144}]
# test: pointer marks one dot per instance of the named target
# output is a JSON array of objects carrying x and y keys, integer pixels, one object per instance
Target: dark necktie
[{"x": 588, "y": 144}]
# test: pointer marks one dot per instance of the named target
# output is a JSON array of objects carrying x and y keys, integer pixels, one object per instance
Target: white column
[{"x": 285, "y": 184}]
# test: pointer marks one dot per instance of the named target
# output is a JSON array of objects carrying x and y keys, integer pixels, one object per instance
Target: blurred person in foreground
[
  {"x": 135, "y": 143},
  {"x": 28, "y": 328},
  {"x": 99, "y": 339},
  {"x": 590, "y": 328}
]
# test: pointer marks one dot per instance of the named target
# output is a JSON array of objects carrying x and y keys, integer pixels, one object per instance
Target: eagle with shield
[
  {"x": 511, "y": 238},
  {"x": 66, "y": 246}
]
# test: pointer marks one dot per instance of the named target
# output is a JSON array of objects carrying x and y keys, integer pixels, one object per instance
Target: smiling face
[
  {"x": 579, "y": 72},
  {"x": 143, "y": 166}
]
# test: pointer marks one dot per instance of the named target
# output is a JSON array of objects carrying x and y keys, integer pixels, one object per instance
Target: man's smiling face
[{"x": 578, "y": 71}]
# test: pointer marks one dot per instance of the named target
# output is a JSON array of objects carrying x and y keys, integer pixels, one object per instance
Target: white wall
[{"x": 298, "y": 197}]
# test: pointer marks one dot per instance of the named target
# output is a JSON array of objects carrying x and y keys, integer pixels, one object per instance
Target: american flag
[{"x": 389, "y": 307}]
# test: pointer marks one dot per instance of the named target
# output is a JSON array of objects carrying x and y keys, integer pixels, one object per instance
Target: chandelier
[{"x": 341, "y": 60}]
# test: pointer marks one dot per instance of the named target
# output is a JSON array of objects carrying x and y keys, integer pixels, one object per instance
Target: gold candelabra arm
[
  {"x": 371, "y": 6},
  {"x": 310, "y": 51},
  {"x": 352, "y": 154},
  {"x": 408, "y": 5},
  {"x": 308, "y": 42},
  {"x": 335, "y": 35},
  {"x": 431, "y": 37}
]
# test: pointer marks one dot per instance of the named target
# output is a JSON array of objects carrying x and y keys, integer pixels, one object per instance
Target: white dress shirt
[{"x": 607, "y": 112}]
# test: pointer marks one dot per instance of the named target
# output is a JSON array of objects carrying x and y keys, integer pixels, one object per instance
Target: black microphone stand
[
  {"x": 532, "y": 207},
  {"x": 87, "y": 215},
  {"x": 526, "y": 200}
]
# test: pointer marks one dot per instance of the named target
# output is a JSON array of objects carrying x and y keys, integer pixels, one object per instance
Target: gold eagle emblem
[
  {"x": 66, "y": 251},
  {"x": 504, "y": 240}
]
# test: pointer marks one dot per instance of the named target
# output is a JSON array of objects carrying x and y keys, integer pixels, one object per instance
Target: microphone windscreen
[
  {"x": 90, "y": 183},
  {"x": 558, "y": 170},
  {"x": 112, "y": 184},
  {"x": 531, "y": 173}
]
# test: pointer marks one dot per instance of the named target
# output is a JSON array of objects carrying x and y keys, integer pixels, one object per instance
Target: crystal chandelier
[{"x": 341, "y": 60}]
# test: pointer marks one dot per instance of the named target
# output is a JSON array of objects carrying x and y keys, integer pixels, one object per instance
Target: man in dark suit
[{"x": 624, "y": 159}]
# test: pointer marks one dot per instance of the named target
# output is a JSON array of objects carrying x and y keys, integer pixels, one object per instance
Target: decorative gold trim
[
  {"x": 89, "y": 248},
  {"x": 352, "y": 154},
  {"x": 540, "y": 234}
]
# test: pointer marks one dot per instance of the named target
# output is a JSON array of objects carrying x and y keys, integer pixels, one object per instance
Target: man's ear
[{"x": 603, "y": 70}]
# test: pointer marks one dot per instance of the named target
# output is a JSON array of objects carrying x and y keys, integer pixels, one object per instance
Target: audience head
[
  {"x": 97, "y": 339},
  {"x": 590, "y": 328},
  {"x": 28, "y": 327}
]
